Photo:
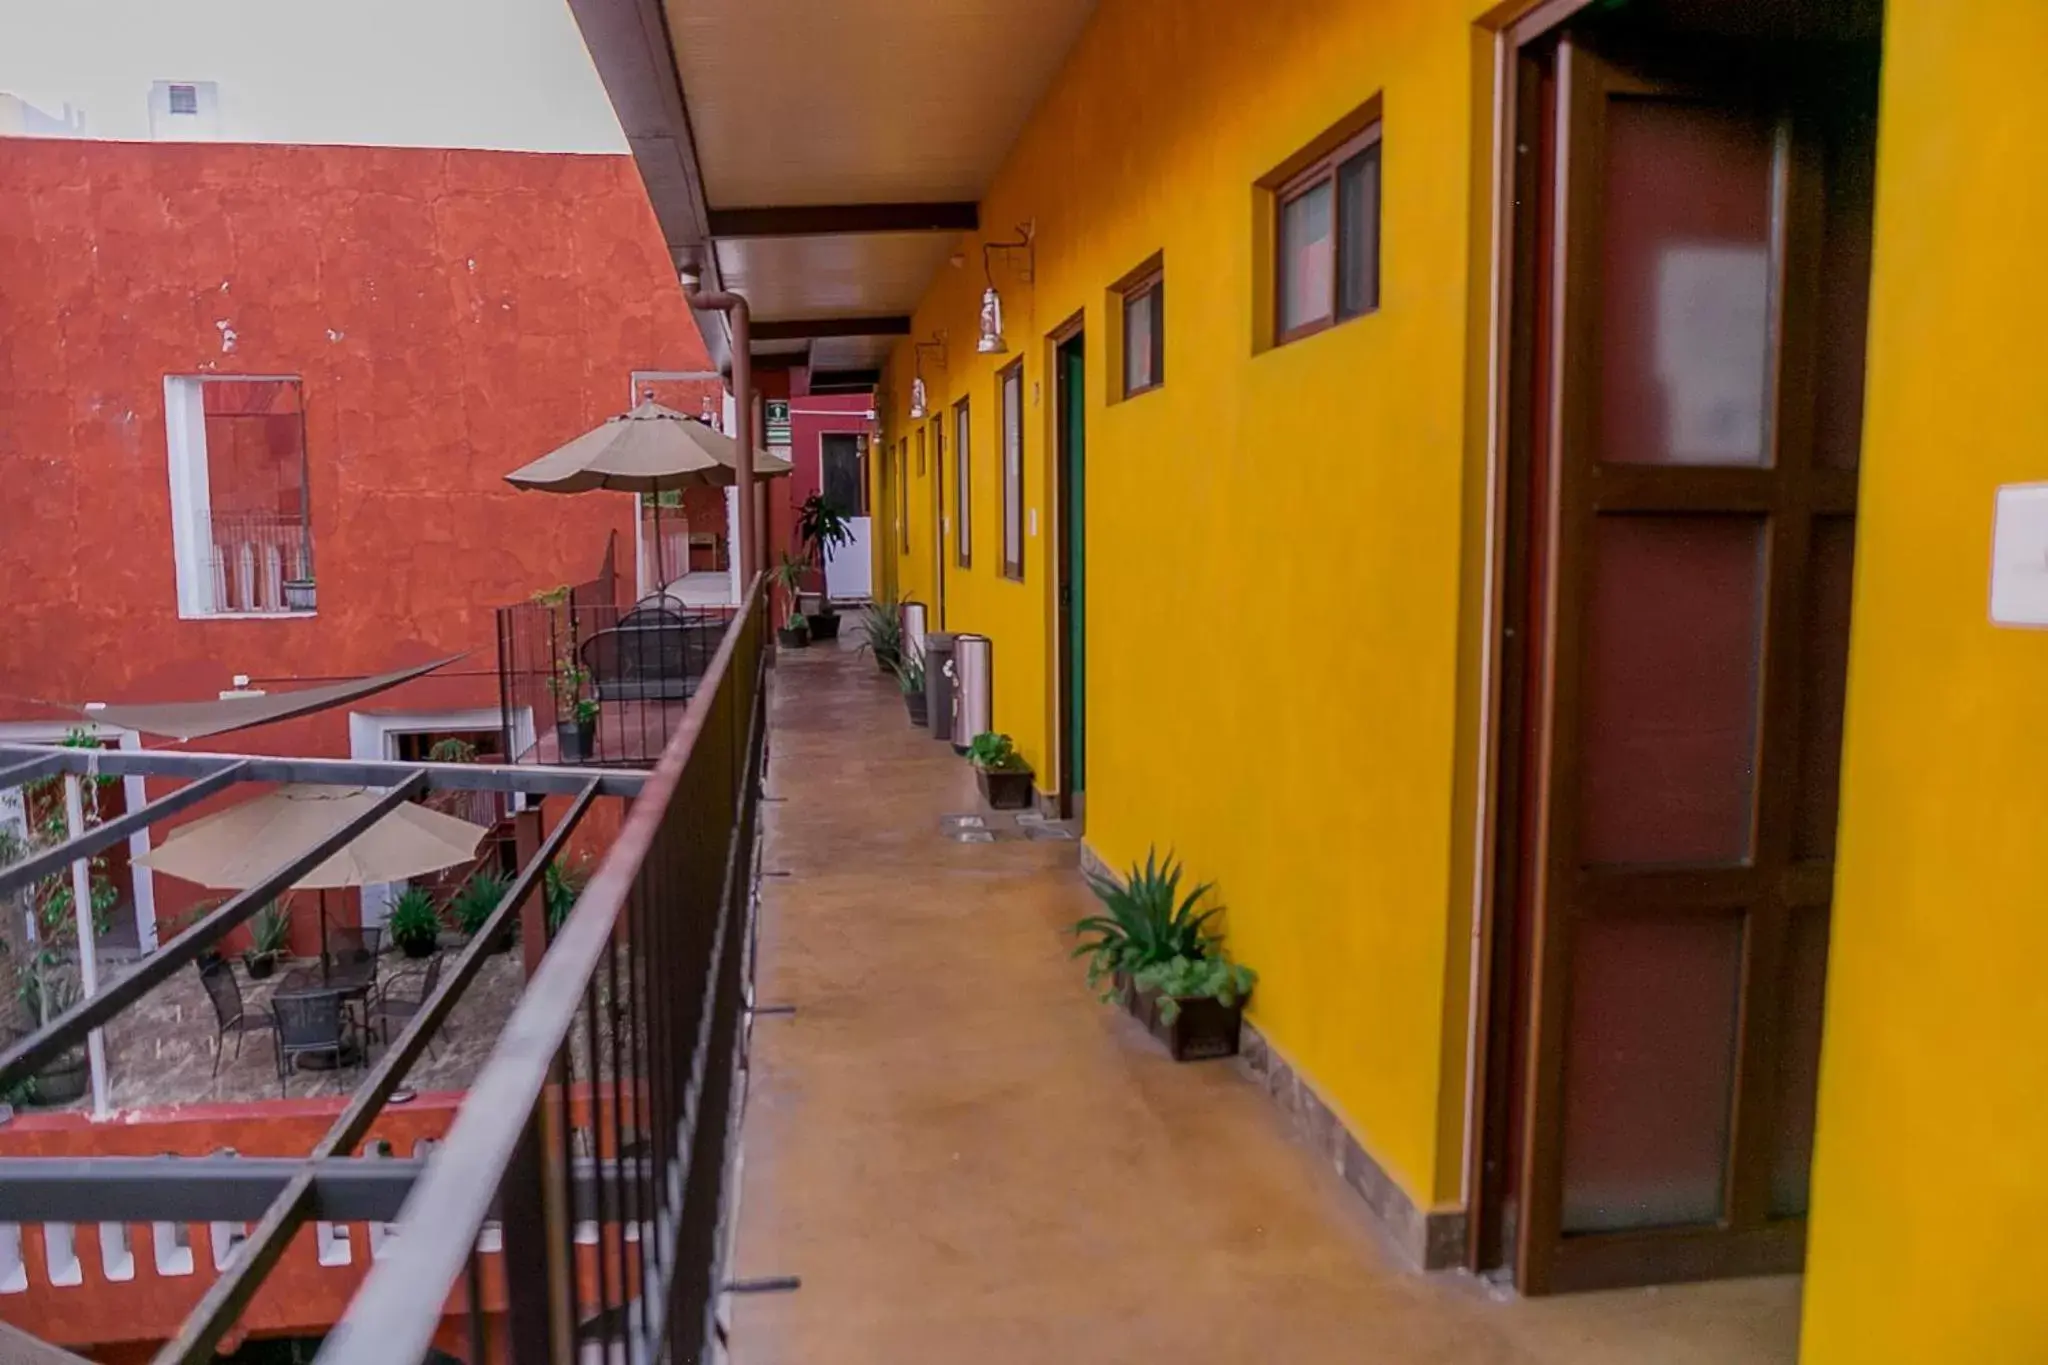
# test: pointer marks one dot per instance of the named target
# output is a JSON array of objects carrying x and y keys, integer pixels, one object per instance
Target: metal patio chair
[
  {"x": 315, "y": 1023},
  {"x": 387, "y": 1007},
  {"x": 231, "y": 1014}
]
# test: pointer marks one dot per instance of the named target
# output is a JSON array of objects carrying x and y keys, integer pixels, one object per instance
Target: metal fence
[
  {"x": 639, "y": 666},
  {"x": 589, "y": 1159}
]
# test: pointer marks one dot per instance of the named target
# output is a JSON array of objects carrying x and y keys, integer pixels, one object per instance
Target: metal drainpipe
[{"x": 735, "y": 309}]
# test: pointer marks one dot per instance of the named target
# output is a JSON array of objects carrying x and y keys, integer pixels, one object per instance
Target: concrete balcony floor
[{"x": 965, "y": 1158}]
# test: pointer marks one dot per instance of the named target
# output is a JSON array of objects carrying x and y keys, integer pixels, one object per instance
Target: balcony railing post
[{"x": 523, "y": 1207}]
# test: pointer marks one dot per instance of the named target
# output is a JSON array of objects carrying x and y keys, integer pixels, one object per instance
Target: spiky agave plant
[{"x": 1148, "y": 921}]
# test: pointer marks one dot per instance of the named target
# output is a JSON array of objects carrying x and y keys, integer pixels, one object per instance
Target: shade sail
[
  {"x": 651, "y": 449},
  {"x": 240, "y": 846},
  {"x": 195, "y": 719}
]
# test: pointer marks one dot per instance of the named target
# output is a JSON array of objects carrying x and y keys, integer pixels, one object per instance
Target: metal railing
[
  {"x": 588, "y": 1162},
  {"x": 261, "y": 562},
  {"x": 640, "y": 666}
]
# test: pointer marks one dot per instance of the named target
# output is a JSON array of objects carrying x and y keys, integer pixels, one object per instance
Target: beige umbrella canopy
[
  {"x": 651, "y": 449},
  {"x": 238, "y": 847}
]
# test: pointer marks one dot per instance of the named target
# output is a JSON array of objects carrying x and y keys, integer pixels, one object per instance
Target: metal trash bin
[
  {"x": 938, "y": 682},
  {"x": 973, "y": 689},
  {"x": 910, "y": 615}
]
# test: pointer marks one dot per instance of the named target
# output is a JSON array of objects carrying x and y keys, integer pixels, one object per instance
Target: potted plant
[
  {"x": 881, "y": 626},
  {"x": 1004, "y": 776},
  {"x": 46, "y": 992},
  {"x": 1163, "y": 963},
  {"x": 576, "y": 713},
  {"x": 298, "y": 594},
  {"x": 910, "y": 678},
  {"x": 822, "y": 528},
  {"x": 795, "y": 631},
  {"x": 270, "y": 935},
  {"x": 414, "y": 922},
  {"x": 561, "y": 884},
  {"x": 476, "y": 900}
]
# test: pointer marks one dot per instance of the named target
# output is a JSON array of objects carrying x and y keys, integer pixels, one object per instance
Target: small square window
[
  {"x": 1010, "y": 391},
  {"x": 1326, "y": 232},
  {"x": 1143, "y": 292},
  {"x": 185, "y": 99}
]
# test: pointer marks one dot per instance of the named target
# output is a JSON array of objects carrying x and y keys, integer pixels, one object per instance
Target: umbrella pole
[
  {"x": 325, "y": 957},
  {"x": 660, "y": 559}
]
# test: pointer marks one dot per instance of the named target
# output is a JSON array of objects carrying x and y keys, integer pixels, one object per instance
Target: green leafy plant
[
  {"x": 822, "y": 527},
  {"x": 414, "y": 921},
  {"x": 909, "y": 671},
  {"x": 881, "y": 628},
  {"x": 586, "y": 710},
  {"x": 451, "y": 749},
  {"x": 789, "y": 577},
  {"x": 1214, "y": 977},
  {"x": 995, "y": 753},
  {"x": 478, "y": 898},
  {"x": 270, "y": 931},
  {"x": 560, "y": 887},
  {"x": 1148, "y": 922}
]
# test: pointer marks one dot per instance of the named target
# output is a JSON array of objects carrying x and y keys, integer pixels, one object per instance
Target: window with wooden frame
[
  {"x": 903, "y": 493},
  {"x": 1326, "y": 229},
  {"x": 963, "y": 516},
  {"x": 1142, "y": 294},
  {"x": 1010, "y": 388}
]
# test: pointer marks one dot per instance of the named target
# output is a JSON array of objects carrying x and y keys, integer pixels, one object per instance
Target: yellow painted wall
[
  {"x": 1276, "y": 541},
  {"x": 1931, "y": 1175}
]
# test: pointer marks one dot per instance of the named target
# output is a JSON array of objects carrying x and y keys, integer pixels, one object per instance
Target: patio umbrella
[
  {"x": 651, "y": 449},
  {"x": 235, "y": 848}
]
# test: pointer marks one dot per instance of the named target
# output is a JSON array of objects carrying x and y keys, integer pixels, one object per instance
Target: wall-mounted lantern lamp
[
  {"x": 917, "y": 394},
  {"x": 991, "y": 340}
]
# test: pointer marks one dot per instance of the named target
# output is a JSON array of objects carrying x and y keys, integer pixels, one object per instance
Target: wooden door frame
[
  {"x": 1507, "y": 655},
  {"x": 1069, "y": 801}
]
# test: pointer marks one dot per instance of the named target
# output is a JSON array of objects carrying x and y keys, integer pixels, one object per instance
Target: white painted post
[{"x": 88, "y": 966}]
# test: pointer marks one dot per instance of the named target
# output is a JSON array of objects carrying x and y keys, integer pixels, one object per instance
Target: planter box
[
  {"x": 1005, "y": 788},
  {"x": 792, "y": 637},
  {"x": 824, "y": 624},
  {"x": 914, "y": 703},
  {"x": 1204, "y": 1029},
  {"x": 575, "y": 741}
]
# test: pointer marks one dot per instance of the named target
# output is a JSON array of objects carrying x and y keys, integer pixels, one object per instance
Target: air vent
[{"x": 185, "y": 99}]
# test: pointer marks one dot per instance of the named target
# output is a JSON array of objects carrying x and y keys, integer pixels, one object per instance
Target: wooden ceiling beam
[
  {"x": 831, "y": 220},
  {"x": 804, "y": 329}
]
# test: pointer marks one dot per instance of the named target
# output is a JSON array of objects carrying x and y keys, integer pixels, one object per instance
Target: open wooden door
[{"x": 1692, "y": 537}]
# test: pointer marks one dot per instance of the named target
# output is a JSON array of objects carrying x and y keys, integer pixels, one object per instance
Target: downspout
[{"x": 735, "y": 309}]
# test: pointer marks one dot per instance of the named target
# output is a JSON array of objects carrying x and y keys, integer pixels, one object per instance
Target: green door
[{"x": 1073, "y": 597}]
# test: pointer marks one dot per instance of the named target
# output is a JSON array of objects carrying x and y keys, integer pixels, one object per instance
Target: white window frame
[
  {"x": 373, "y": 736},
  {"x": 192, "y": 495}
]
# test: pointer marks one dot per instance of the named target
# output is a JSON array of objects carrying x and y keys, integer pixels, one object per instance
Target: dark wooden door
[{"x": 1704, "y": 364}]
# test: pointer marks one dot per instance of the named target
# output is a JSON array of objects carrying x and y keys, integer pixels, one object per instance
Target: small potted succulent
[
  {"x": 1004, "y": 776},
  {"x": 1161, "y": 961},
  {"x": 415, "y": 922},
  {"x": 909, "y": 672},
  {"x": 881, "y": 627},
  {"x": 477, "y": 899},
  {"x": 270, "y": 934},
  {"x": 795, "y": 631}
]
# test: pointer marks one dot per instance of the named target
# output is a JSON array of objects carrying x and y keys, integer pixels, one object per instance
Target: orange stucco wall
[{"x": 452, "y": 315}]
